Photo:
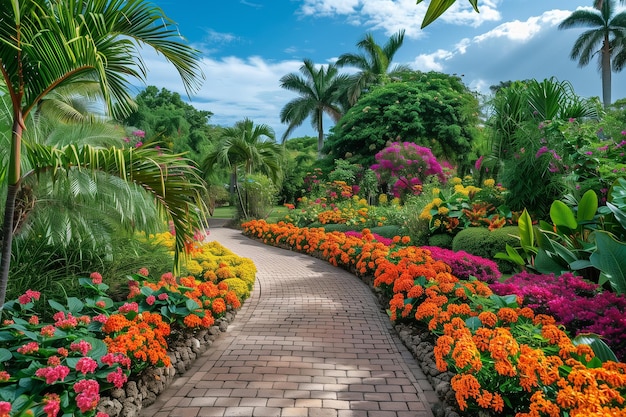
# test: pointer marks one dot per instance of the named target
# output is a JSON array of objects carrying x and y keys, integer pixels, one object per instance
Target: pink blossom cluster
[
  {"x": 405, "y": 165},
  {"x": 29, "y": 296},
  {"x": 88, "y": 391},
  {"x": 53, "y": 373},
  {"x": 581, "y": 306},
  {"x": 465, "y": 265},
  {"x": 384, "y": 240}
]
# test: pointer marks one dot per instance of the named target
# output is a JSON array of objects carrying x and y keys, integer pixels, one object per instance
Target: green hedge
[{"x": 480, "y": 241}]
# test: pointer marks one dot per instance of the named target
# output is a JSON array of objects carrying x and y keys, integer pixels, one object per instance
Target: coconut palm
[
  {"x": 606, "y": 31},
  {"x": 374, "y": 65},
  {"x": 437, "y": 7},
  {"x": 52, "y": 43},
  {"x": 249, "y": 148},
  {"x": 319, "y": 94}
]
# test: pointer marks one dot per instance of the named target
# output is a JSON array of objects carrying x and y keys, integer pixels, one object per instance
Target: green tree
[
  {"x": 248, "y": 148},
  {"x": 49, "y": 44},
  {"x": 319, "y": 93},
  {"x": 431, "y": 109},
  {"x": 164, "y": 116},
  {"x": 299, "y": 156},
  {"x": 374, "y": 64},
  {"x": 606, "y": 31}
]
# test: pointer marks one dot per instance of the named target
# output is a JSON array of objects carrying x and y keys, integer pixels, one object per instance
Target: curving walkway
[{"x": 311, "y": 341}]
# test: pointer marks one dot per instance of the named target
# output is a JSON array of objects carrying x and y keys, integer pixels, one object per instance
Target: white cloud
[
  {"x": 393, "y": 15},
  {"x": 234, "y": 88},
  {"x": 524, "y": 31},
  {"x": 431, "y": 62}
]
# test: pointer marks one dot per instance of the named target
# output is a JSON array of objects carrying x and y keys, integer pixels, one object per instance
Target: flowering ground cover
[
  {"x": 92, "y": 345},
  {"x": 508, "y": 359}
]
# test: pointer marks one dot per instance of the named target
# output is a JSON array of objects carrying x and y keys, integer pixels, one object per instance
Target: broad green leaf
[
  {"x": 5, "y": 355},
  {"x": 526, "y": 233},
  {"x": 546, "y": 264},
  {"x": 619, "y": 214},
  {"x": 504, "y": 300},
  {"x": 75, "y": 305},
  {"x": 587, "y": 206},
  {"x": 609, "y": 259},
  {"x": 57, "y": 306},
  {"x": 191, "y": 305},
  {"x": 562, "y": 215},
  {"x": 599, "y": 347},
  {"x": 435, "y": 9},
  {"x": 473, "y": 323}
]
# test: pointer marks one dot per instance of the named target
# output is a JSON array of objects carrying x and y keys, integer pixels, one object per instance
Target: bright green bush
[
  {"x": 481, "y": 242},
  {"x": 388, "y": 231},
  {"x": 442, "y": 240}
]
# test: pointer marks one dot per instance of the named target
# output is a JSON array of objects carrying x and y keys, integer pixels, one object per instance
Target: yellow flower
[
  {"x": 489, "y": 182},
  {"x": 436, "y": 191},
  {"x": 443, "y": 210},
  {"x": 436, "y": 202},
  {"x": 456, "y": 180},
  {"x": 382, "y": 199}
]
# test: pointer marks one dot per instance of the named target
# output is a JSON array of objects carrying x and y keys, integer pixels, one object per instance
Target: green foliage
[
  {"x": 433, "y": 110},
  {"x": 481, "y": 242},
  {"x": 164, "y": 116},
  {"x": 442, "y": 240},
  {"x": 258, "y": 195},
  {"x": 298, "y": 158},
  {"x": 388, "y": 231}
]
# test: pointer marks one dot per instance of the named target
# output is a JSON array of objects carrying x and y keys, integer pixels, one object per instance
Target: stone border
[{"x": 142, "y": 390}]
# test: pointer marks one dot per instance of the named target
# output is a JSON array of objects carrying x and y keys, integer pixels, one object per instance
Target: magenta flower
[
  {"x": 53, "y": 374},
  {"x": 86, "y": 365},
  {"x": 81, "y": 346}
]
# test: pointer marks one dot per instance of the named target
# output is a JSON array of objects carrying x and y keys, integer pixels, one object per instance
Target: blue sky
[{"x": 248, "y": 45}]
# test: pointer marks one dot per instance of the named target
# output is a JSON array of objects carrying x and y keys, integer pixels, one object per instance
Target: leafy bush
[
  {"x": 258, "y": 194},
  {"x": 482, "y": 242},
  {"x": 387, "y": 231},
  {"x": 442, "y": 240}
]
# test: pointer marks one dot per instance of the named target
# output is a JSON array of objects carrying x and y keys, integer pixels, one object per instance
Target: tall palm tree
[
  {"x": 249, "y": 148},
  {"x": 606, "y": 32},
  {"x": 374, "y": 65},
  {"x": 51, "y": 43},
  {"x": 319, "y": 94}
]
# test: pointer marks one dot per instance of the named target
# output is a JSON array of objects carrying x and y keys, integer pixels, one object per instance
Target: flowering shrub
[
  {"x": 49, "y": 367},
  {"x": 507, "y": 359},
  {"x": 92, "y": 345},
  {"x": 465, "y": 265},
  {"x": 464, "y": 205},
  {"x": 578, "y": 304},
  {"x": 404, "y": 166}
]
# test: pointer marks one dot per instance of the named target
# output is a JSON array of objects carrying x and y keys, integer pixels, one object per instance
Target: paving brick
[{"x": 311, "y": 341}]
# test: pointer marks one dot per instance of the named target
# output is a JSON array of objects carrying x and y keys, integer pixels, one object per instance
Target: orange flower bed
[{"x": 506, "y": 359}]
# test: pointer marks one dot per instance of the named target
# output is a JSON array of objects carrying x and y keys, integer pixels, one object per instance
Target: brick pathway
[{"x": 311, "y": 341}]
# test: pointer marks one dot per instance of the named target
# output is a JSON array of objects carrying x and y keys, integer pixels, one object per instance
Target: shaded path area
[{"x": 311, "y": 341}]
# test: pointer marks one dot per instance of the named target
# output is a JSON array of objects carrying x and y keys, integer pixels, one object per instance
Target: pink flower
[
  {"x": 52, "y": 405},
  {"x": 4, "y": 376},
  {"x": 478, "y": 163},
  {"x": 88, "y": 394},
  {"x": 128, "y": 307},
  {"x": 63, "y": 352},
  {"x": 541, "y": 151},
  {"x": 86, "y": 365},
  {"x": 163, "y": 296},
  {"x": 143, "y": 271},
  {"x": 169, "y": 278},
  {"x": 101, "y": 318},
  {"x": 65, "y": 322},
  {"x": 28, "y": 296},
  {"x": 113, "y": 358},
  {"x": 150, "y": 300},
  {"x": 53, "y": 361},
  {"x": 117, "y": 378},
  {"x": 96, "y": 278},
  {"x": 139, "y": 133},
  {"x": 53, "y": 373},
  {"x": 101, "y": 304},
  {"x": 33, "y": 320},
  {"x": 5, "y": 408},
  {"x": 82, "y": 346},
  {"x": 28, "y": 348}
]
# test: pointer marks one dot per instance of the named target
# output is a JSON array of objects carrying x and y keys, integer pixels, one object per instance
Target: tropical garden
[{"x": 498, "y": 223}]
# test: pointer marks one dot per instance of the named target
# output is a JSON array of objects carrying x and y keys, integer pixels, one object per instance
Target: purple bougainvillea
[
  {"x": 465, "y": 265},
  {"x": 581, "y": 306}
]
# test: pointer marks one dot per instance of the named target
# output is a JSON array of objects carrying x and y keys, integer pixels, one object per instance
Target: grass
[
  {"x": 229, "y": 212},
  {"x": 225, "y": 212}
]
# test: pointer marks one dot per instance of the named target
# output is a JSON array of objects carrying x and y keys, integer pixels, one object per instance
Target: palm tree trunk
[
  {"x": 320, "y": 135},
  {"x": 606, "y": 72},
  {"x": 9, "y": 208}
]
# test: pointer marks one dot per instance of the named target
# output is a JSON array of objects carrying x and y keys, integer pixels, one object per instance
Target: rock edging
[{"x": 142, "y": 390}]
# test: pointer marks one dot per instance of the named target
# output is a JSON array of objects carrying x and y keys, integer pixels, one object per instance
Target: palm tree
[
  {"x": 437, "y": 7},
  {"x": 247, "y": 147},
  {"x": 49, "y": 44},
  {"x": 319, "y": 93},
  {"x": 375, "y": 65},
  {"x": 606, "y": 32}
]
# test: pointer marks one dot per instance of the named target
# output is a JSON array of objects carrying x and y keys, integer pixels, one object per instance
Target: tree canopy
[{"x": 431, "y": 109}]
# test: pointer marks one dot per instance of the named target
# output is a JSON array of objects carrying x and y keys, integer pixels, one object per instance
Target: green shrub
[
  {"x": 442, "y": 240},
  {"x": 388, "y": 231},
  {"x": 480, "y": 241},
  {"x": 337, "y": 227}
]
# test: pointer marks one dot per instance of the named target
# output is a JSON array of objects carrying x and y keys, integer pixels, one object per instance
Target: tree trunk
[
  {"x": 320, "y": 135},
  {"x": 9, "y": 208},
  {"x": 606, "y": 72}
]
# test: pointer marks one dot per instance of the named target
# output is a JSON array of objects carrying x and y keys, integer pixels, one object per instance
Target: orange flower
[
  {"x": 488, "y": 318},
  {"x": 192, "y": 321},
  {"x": 507, "y": 315}
]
